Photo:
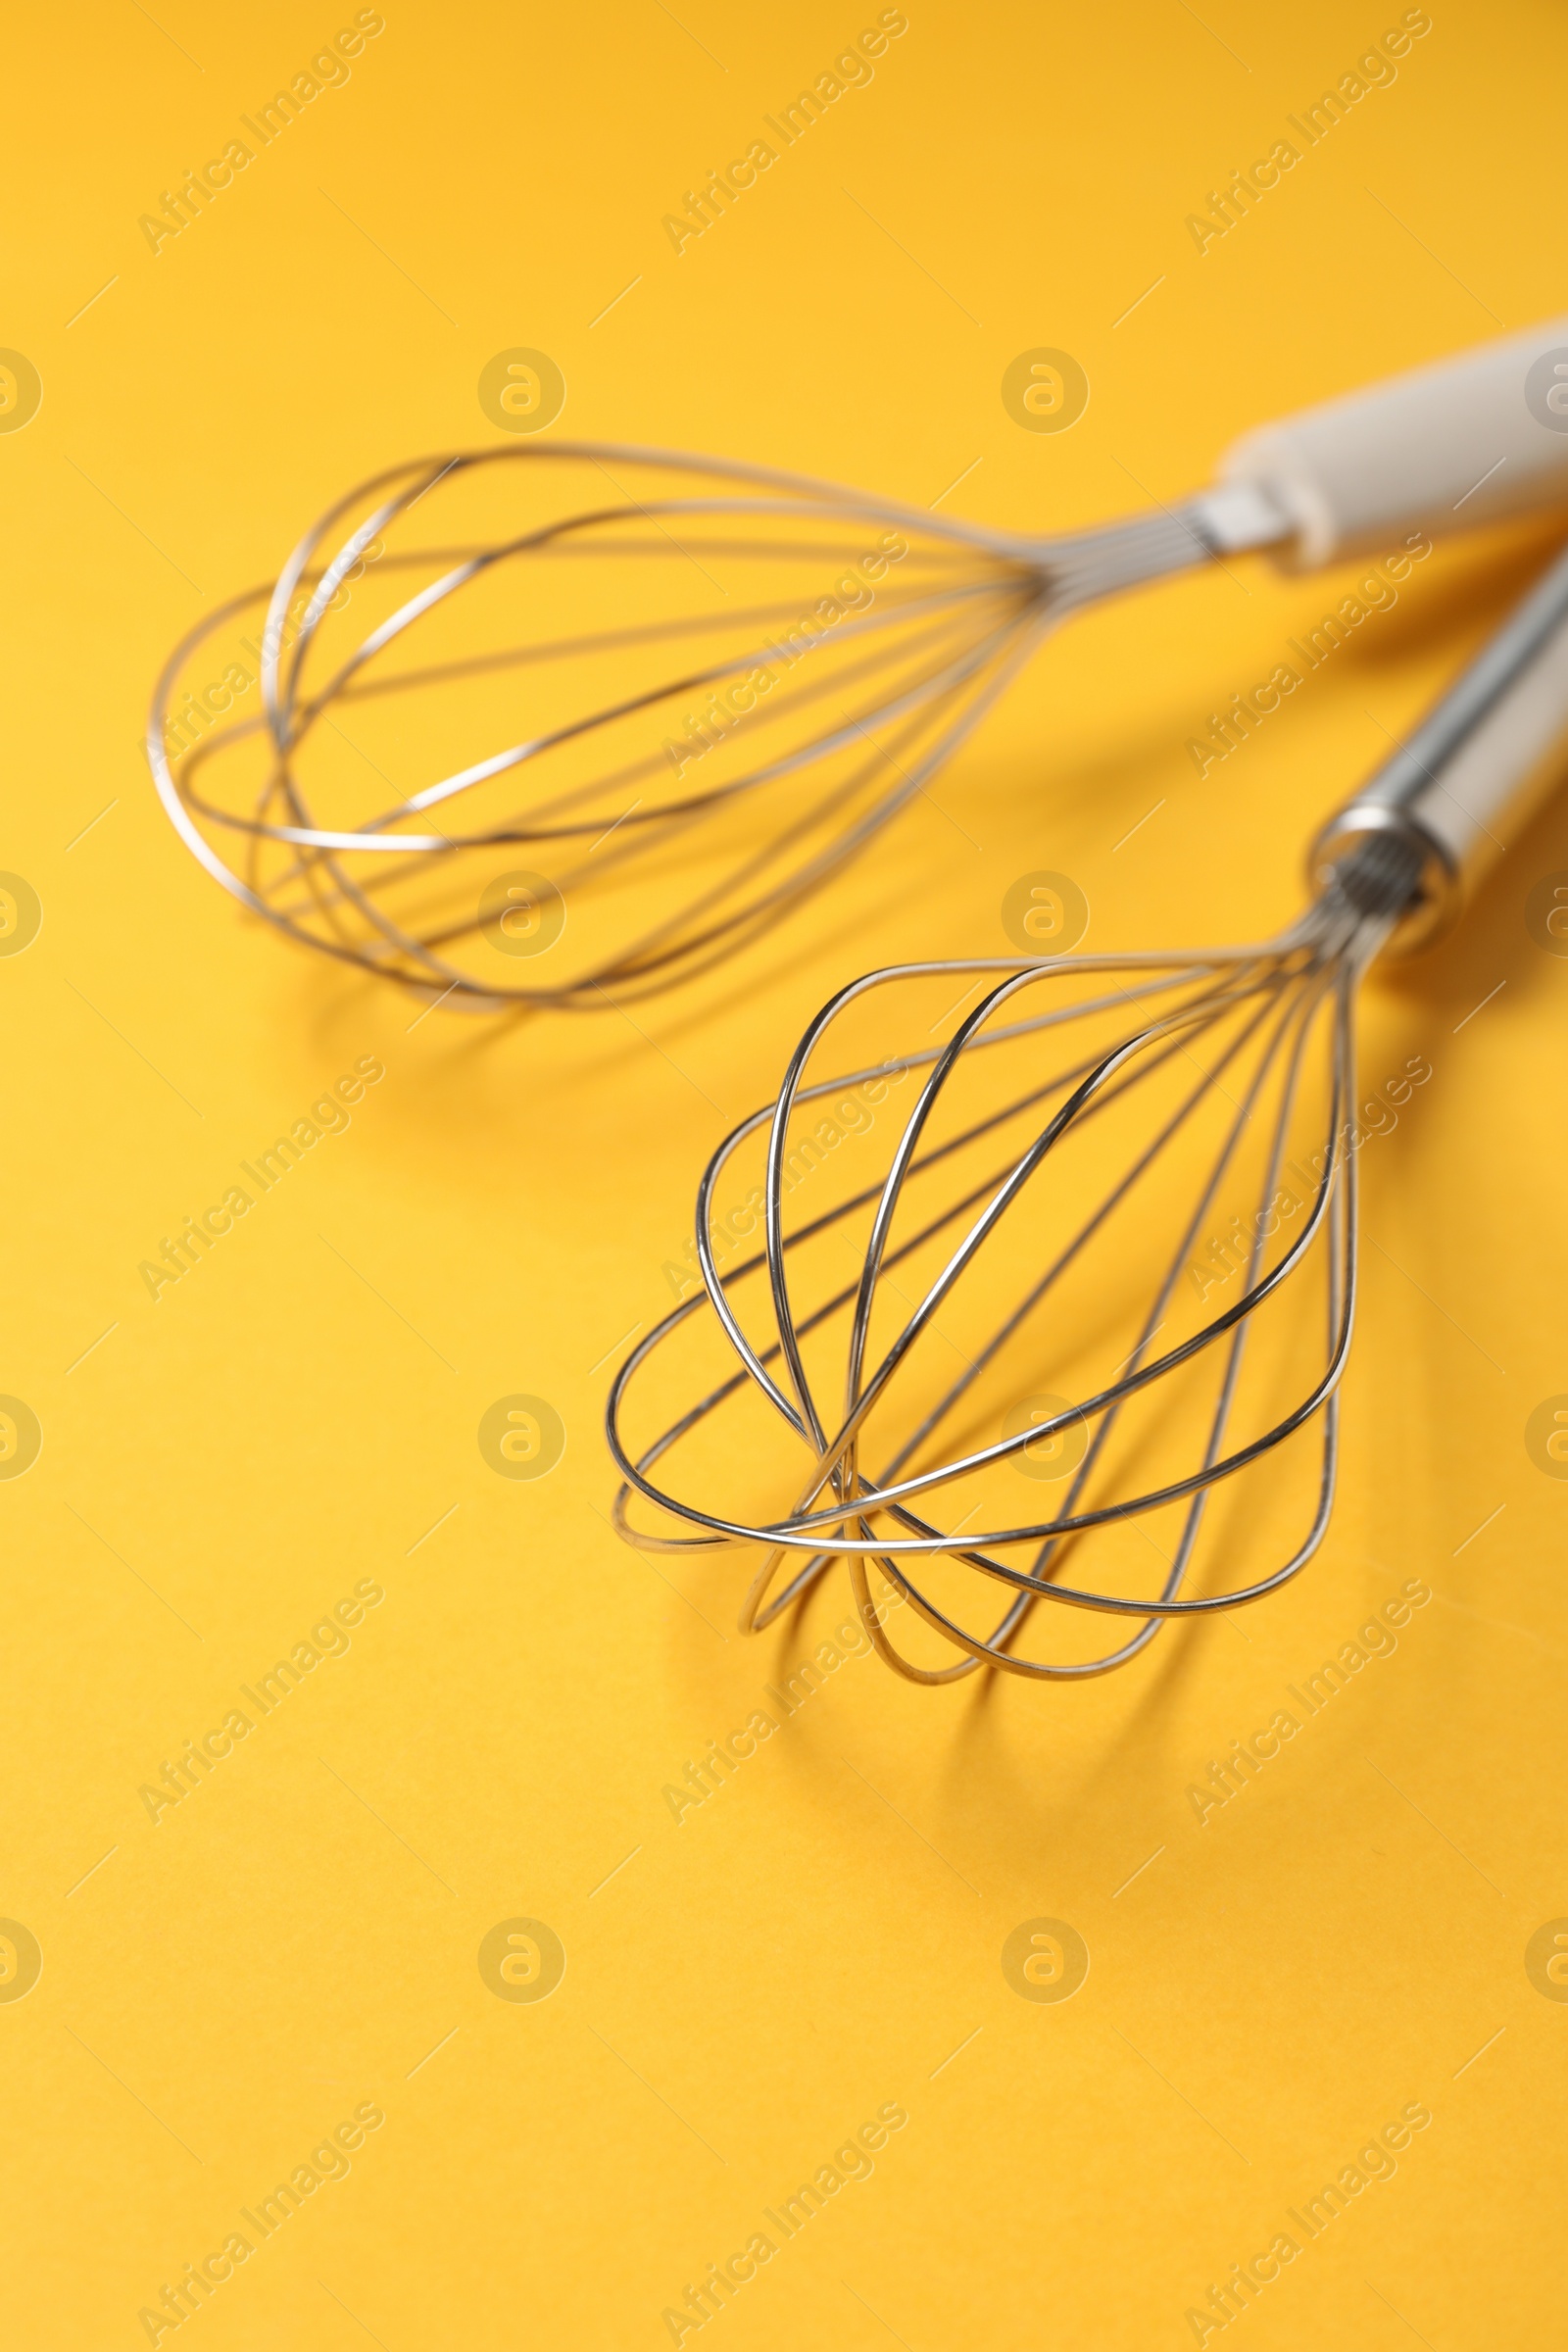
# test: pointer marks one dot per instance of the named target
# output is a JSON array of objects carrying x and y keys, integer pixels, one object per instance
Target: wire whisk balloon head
[
  {"x": 555, "y": 724},
  {"x": 1048, "y": 1317}
]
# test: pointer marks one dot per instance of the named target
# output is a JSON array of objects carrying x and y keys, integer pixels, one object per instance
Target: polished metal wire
[
  {"x": 681, "y": 578},
  {"x": 1259, "y": 1041}
]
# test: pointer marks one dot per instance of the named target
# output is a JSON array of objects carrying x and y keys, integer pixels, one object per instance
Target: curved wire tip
[
  {"x": 564, "y": 724},
  {"x": 1075, "y": 1297}
]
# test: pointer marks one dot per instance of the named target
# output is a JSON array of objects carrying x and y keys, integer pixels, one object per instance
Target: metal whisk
[
  {"x": 559, "y": 724},
  {"x": 1113, "y": 1249}
]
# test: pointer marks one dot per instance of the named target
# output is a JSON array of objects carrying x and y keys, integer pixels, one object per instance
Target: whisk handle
[
  {"x": 1447, "y": 447},
  {"x": 1468, "y": 779}
]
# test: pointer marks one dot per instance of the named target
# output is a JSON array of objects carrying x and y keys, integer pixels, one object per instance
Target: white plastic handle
[{"x": 1448, "y": 446}]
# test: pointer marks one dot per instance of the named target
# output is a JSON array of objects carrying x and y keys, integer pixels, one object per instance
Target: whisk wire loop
[
  {"x": 1260, "y": 1010},
  {"x": 692, "y": 645}
]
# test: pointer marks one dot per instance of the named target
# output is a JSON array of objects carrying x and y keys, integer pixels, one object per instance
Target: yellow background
[{"x": 297, "y": 1936}]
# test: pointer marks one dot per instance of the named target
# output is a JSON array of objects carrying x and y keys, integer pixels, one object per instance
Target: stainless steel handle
[{"x": 1469, "y": 779}]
